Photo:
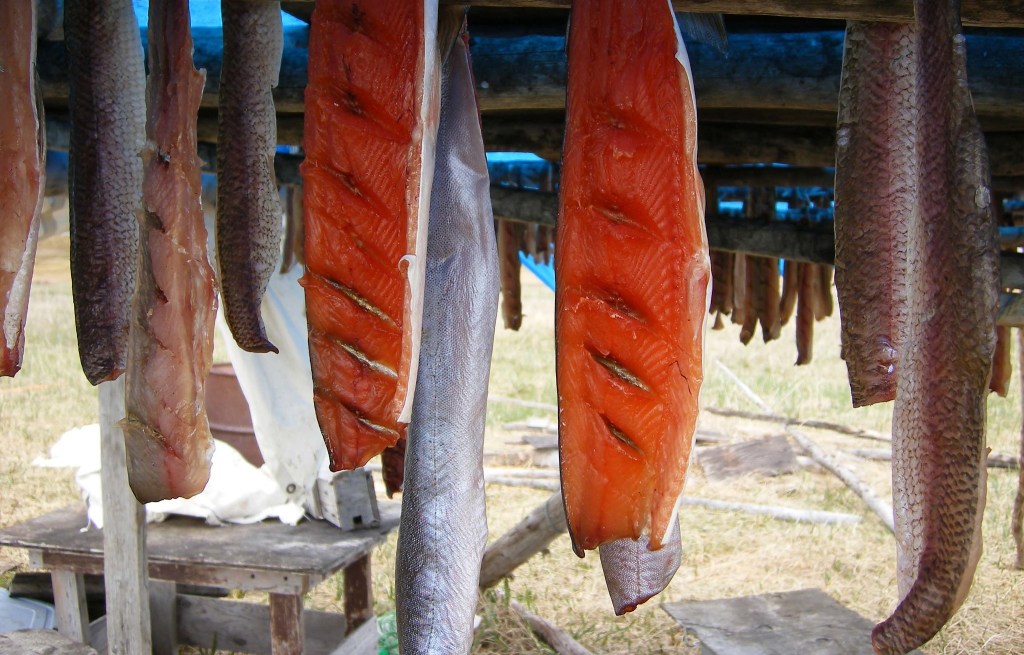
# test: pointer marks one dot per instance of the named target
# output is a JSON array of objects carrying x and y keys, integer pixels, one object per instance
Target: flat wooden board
[
  {"x": 315, "y": 548},
  {"x": 804, "y": 621},
  {"x": 766, "y": 457}
]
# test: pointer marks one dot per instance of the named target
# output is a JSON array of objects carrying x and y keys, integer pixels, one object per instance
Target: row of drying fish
[
  {"x": 401, "y": 326},
  {"x": 515, "y": 237}
]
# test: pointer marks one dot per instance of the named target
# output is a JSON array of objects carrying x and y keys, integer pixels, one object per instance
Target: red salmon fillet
[
  {"x": 371, "y": 119},
  {"x": 633, "y": 273},
  {"x": 21, "y": 175}
]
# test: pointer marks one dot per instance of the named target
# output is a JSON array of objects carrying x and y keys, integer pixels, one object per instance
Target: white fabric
[
  {"x": 279, "y": 389},
  {"x": 237, "y": 492}
]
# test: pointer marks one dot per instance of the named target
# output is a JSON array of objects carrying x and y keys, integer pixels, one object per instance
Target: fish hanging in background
[
  {"x": 444, "y": 526},
  {"x": 22, "y": 172},
  {"x": 107, "y": 102},
  {"x": 875, "y": 194},
  {"x": 633, "y": 274},
  {"x": 249, "y": 224},
  {"x": 370, "y": 126},
  {"x": 907, "y": 132},
  {"x": 167, "y": 435}
]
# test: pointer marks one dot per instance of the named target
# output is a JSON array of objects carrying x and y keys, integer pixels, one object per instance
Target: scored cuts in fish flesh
[
  {"x": 249, "y": 214},
  {"x": 876, "y": 191},
  {"x": 22, "y": 169},
  {"x": 444, "y": 527},
  {"x": 370, "y": 127},
  {"x": 167, "y": 435},
  {"x": 107, "y": 102},
  {"x": 630, "y": 336}
]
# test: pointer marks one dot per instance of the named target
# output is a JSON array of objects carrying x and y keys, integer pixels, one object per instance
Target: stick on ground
[
  {"x": 549, "y": 633},
  {"x": 881, "y": 509}
]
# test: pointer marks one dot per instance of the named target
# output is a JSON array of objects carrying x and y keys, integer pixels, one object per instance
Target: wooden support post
[
  {"x": 287, "y": 628},
  {"x": 163, "y": 610},
  {"x": 69, "y": 602},
  {"x": 358, "y": 593},
  {"x": 124, "y": 536}
]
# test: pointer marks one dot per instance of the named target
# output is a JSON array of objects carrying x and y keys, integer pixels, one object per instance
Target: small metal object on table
[{"x": 284, "y": 561}]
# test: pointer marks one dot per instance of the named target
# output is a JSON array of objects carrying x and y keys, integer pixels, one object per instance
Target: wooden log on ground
[
  {"x": 995, "y": 460},
  {"x": 881, "y": 509},
  {"x": 559, "y": 640},
  {"x": 527, "y": 538},
  {"x": 807, "y": 423}
]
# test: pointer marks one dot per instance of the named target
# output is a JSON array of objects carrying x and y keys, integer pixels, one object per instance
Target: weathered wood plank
[
  {"x": 287, "y": 627},
  {"x": 163, "y": 611},
  {"x": 124, "y": 536},
  {"x": 245, "y": 627},
  {"x": 973, "y": 12},
  {"x": 358, "y": 593},
  {"x": 769, "y": 456},
  {"x": 41, "y": 642},
  {"x": 804, "y": 621},
  {"x": 314, "y": 548},
  {"x": 69, "y": 603}
]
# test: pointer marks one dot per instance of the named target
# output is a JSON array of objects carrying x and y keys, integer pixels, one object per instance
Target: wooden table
[{"x": 284, "y": 561}]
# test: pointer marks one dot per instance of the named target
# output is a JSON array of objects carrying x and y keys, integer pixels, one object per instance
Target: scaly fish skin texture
[
  {"x": 634, "y": 574},
  {"x": 633, "y": 273},
  {"x": 108, "y": 111},
  {"x": 21, "y": 175},
  {"x": 875, "y": 194},
  {"x": 249, "y": 214},
  {"x": 444, "y": 526},
  {"x": 939, "y": 475},
  {"x": 167, "y": 435},
  {"x": 369, "y": 135}
]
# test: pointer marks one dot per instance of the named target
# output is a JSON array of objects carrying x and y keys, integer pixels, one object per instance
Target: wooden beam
[
  {"x": 765, "y": 72},
  {"x": 991, "y": 13}
]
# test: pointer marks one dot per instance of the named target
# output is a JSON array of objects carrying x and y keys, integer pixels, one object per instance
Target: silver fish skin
[
  {"x": 634, "y": 574},
  {"x": 444, "y": 526}
]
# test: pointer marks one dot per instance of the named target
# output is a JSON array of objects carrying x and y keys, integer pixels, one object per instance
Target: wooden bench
[{"x": 282, "y": 560}]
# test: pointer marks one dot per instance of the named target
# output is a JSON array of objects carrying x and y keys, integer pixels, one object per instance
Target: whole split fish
[
  {"x": 167, "y": 435},
  {"x": 444, "y": 527},
  {"x": 108, "y": 111},
  {"x": 22, "y": 171},
  {"x": 633, "y": 274},
  {"x": 939, "y": 472},
  {"x": 370, "y": 126},
  {"x": 875, "y": 193},
  {"x": 249, "y": 214},
  {"x": 634, "y": 574}
]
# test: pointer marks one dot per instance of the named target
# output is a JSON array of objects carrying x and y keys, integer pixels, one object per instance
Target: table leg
[
  {"x": 287, "y": 627},
  {"x": 163, "y": 613},
  {"x": 69, "y": 603},
  {"x": 358, "y": 593}
]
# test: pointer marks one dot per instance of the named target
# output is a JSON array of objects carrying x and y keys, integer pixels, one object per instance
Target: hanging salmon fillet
[
  {"x": 370, "y": 127},
  {"x": 167, "y": 435},
  {"x": 21, "y": 175},
  {"x": 633, "y": 273}
]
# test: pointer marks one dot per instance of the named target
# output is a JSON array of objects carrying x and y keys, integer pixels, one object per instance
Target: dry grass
[{"x": 725, "y": 553}]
